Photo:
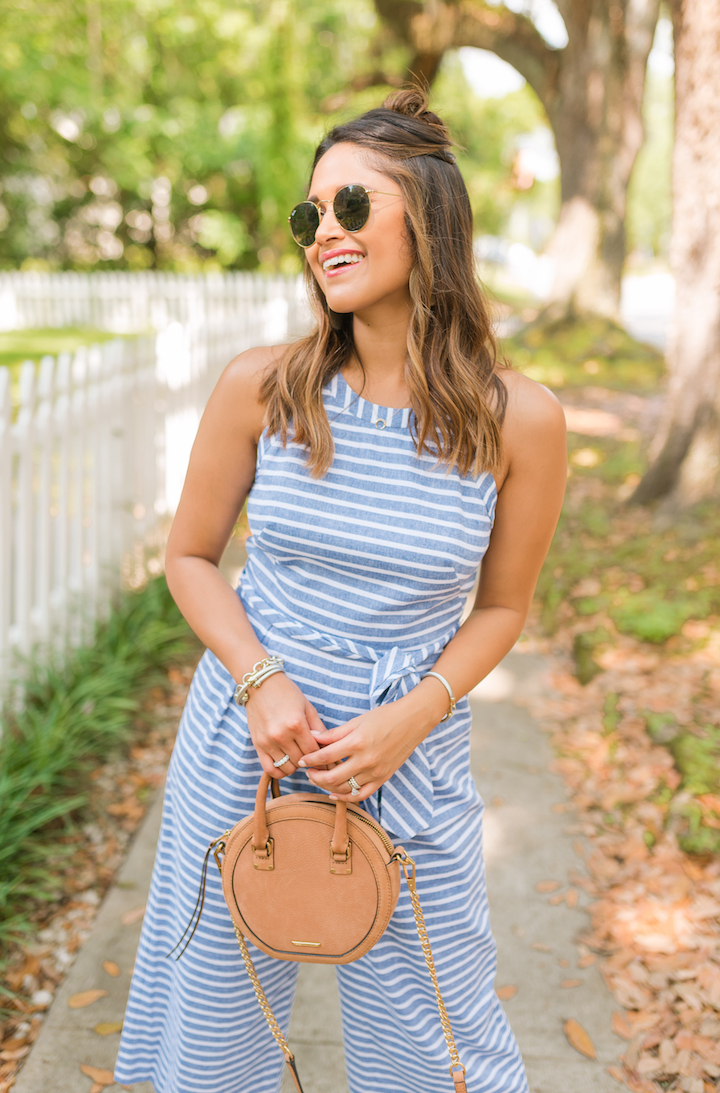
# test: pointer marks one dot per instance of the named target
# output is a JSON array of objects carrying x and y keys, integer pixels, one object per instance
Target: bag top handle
[{"x": 339, "y": 843}]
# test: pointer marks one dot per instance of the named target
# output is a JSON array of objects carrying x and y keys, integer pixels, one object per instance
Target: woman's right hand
[{"x": 282, "y": 722}]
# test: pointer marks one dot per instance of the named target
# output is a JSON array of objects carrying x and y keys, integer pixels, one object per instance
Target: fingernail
[
  {"x": 318, "y": 732},
  {"x": 302, "y": 763},
  {"x": 333, "y": 796}
]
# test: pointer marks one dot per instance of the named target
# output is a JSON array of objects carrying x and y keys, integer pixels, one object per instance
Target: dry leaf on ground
[
  {"x": 579, "y": 1038},
  {"x": 131, "y": 917},
  {"x": 98, "y": 1074},
  {"x": 568, "y": 983},
  {"x": 105, "y": 1028},
  {"x": 85, "y": 998},
  {"x": 506, "y": 992},
  {"x": 111, "y": 968},
  {"x": 547, "y": 886}
]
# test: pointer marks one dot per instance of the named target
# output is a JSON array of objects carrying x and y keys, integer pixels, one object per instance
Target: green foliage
[
  {"x": 143, "y": 134},
  {"x": 585, "y": 644},
  {"x": 698, "y": 760},
  {"x": 146, "y": 134},
  {"x": 574, "y": 353},
  {"x": 71, "y": 716}
]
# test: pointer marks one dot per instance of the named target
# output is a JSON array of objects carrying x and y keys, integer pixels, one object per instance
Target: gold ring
[{"x": 354, "y": 786}]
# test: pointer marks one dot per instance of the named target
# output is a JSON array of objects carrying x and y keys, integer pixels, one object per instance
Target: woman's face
[{"x": 382, "y": 272}]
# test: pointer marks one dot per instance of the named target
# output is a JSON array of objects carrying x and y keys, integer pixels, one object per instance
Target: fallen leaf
[
  {"x": 131, "y": 917},
  {"x": 111, "y": 968},
  {"x": 504, "y": 993},
  {"x": 572, "y": 983},
  {"x": 85, "y": 998},
  {"x": 555, "y": 900},
  {"x": 616, "y": 1073},
  {"x": 547, "y": 886},
  {"x": 587, "y": 960},
  {"x": 579, "y": 1039},
  {"x": 621, "y": 1027},
  {"x": 108, "y": 1027},
  {"x": 102, "y": 1077},
  {"x": 17, "y": 1053},
  {"x": 571, "y": 897}
]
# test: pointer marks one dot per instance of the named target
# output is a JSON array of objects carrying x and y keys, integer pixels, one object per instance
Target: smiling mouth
[{"x": 342, "y": 260}]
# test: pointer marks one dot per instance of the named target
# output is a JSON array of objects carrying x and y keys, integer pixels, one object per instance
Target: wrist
[{"x": 430, "y": 701}]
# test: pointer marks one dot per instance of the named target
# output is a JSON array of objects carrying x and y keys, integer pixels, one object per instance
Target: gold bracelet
[
  {"x": 257, "y": 675},
  {"x": 450, "y": 692}
]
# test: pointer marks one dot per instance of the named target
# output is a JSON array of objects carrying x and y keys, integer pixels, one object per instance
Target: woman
[{"x": 383, "y": 456}]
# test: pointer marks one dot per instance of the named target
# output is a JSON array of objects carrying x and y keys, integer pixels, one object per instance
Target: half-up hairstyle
[{"x": 456, "y": 393}]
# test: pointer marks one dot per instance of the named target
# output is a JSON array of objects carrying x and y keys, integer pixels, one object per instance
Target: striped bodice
[{"x": 381, "y": 551}]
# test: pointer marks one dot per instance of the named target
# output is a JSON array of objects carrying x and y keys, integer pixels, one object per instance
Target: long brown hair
[{"x": 456, "y": 394}]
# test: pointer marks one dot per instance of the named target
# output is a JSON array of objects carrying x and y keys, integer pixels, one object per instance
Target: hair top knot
[{"x": 412, "y": 102}]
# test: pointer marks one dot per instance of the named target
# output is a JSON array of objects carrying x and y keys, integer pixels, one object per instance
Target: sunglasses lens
[
  {"x": 304, "y": 222},
  {"x": 352, "y": 207}
]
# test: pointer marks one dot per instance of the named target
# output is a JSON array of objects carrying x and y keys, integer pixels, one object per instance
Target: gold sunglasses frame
[{"x": 331, "y": 201}]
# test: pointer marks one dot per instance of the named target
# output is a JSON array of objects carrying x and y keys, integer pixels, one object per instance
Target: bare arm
[
  {"x": 529, "y": 503},
  {"x": 220, "y": 474}
]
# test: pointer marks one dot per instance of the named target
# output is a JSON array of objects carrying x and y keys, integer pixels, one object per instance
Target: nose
[{"x": 328, "y": 230}]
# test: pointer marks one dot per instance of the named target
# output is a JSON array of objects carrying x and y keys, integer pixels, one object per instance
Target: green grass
[
  {"x": 570, "y": 353},
  {"x": 17, "y": 346},
  {"x": 72, "y": 716}
]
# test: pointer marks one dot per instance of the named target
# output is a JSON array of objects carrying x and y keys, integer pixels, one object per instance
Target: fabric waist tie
[{"x": 407, "y": 797}]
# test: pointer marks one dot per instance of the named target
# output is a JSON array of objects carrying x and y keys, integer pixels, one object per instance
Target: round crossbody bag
[{"x": 312, "y": 880}]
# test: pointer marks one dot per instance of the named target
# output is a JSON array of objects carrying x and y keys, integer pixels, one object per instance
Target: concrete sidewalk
[{"x": 525, "y": 842}]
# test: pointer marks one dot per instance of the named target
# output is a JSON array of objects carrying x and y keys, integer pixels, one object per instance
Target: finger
[
  {"x": 326, "y": 756},
  {"x": 314, "y": 721},
  {"x": 336, "y": 780},
  {"x": 366, "y": 791},
  {"x": 280, "y": 769}
]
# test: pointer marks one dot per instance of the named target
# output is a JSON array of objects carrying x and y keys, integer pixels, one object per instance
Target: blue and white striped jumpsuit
[{"x": 358, "y": 581}]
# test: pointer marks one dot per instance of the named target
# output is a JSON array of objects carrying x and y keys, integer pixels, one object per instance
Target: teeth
[{"x": 342, "y": 259}]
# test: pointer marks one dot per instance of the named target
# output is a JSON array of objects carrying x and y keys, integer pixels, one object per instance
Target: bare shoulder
[
  {"x": 248, "y": 369},
  {"x": 236, "y": 398},
  {"x": 534, "y": 432},
  {"x": 530, "y": 407}
]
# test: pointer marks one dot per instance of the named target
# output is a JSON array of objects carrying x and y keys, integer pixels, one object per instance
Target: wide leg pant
[{"x": 194, "y": 1025}]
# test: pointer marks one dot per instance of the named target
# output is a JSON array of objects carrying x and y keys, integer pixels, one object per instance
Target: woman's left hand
[{"x": 374, "y": 745}]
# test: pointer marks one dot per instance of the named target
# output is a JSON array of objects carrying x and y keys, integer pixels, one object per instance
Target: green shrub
[{"x": 73, "y": 714}]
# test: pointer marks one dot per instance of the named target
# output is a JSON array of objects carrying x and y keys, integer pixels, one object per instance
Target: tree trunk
[
  {"x": 592, "y": 92},
  {"x": 686, "y": 463}
]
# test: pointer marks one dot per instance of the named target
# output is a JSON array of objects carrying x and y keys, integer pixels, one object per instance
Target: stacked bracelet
[
  {"x": 259, "y": 673},
  {"x": 451, "y": 694}
]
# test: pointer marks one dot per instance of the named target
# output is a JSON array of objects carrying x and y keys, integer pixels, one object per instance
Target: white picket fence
[
  {"x": 129, "y": 303},
  {"x": 94, "y": 445}
]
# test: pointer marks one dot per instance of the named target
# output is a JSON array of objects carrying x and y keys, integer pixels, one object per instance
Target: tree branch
[{"x": 432, "y": 28}]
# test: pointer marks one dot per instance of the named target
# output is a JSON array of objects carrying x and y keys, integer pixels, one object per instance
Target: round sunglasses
[{"x": 351, "y": 206}]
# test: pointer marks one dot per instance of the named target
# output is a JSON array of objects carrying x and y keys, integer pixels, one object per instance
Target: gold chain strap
[
  {"x": 406, "y": 860},
  {"x": 260, "y": 995}
]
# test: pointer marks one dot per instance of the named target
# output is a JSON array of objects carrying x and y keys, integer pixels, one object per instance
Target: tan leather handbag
[{"x": 313, "y": 880}]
